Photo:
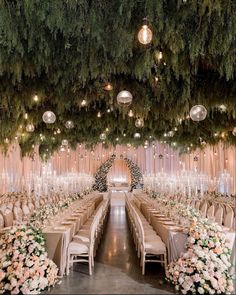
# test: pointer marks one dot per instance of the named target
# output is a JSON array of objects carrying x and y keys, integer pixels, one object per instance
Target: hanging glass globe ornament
[
  {"x": 198, "y": 113},
  {"x": 145, "y": 35},
  {"x": 64, "y": 142},
  {"x": 137, "y": 135},
  {"x": 139, "y": 123},
  {"x": 102, "y": 136},
  {"x": 49, "y": 117},
  {"x": 69, "y": 124},
  {"x": 30, "y": 128},
  {"x": 234, "y": 131},
  {"x": 124, "y": 98}
]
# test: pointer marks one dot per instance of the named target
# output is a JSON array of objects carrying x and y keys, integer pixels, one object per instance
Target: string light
[
  {"x": 83, "y": 103},
  {"x": 35, "y": 98},
  {"x": 130, "y": 114},
  {"x": 159, "y": 55},
  {"x": 108, "y": 87}
]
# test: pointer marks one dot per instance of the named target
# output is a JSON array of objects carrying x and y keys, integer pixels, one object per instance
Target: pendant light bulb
[{"x": 145, "y": 35}]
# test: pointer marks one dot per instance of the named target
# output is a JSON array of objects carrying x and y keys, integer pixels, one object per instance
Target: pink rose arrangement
[
  {"x": 24, "y": 265},
  {"x": 205, "y": 267}
]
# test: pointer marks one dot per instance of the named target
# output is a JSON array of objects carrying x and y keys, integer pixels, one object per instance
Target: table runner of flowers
[
  {"x": 40, "y": 217},
  {"x": 205, "y": 267}
]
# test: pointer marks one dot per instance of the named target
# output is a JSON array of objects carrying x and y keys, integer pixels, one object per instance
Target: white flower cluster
[
  {"x": 205, "y": 267},
  {"x": 24, "y": 265},
  {"x": 47, "y": 211}
]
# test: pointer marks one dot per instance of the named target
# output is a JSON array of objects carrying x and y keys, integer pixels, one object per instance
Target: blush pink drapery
[{"x": 211, "y": 161}]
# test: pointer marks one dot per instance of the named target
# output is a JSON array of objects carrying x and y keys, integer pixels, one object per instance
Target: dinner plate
[
  {"x": 59, "y": 228},
  {"x": 164, "y": 219},
  {"x": 168, "y": 223},
  {"x": 66, "y": 222},
  {"x": 176, "y": 228}
]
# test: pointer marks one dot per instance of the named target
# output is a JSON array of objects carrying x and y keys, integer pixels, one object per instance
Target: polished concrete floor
[{"x": 117, "y": 269}]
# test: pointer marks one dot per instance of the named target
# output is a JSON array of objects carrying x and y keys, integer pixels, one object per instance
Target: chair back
[
  {"x": 8, "y": 217},
  {"x": 211, "y": 211},
  {"x": 203, "y": 209},
  {"x": 219, "y": 214},
  {"x": 229, "y": 218},
  {"x": 1, "y": 221}
]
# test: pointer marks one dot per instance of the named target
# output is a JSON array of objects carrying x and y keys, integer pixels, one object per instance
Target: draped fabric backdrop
[{"x": 15, "y": 172}]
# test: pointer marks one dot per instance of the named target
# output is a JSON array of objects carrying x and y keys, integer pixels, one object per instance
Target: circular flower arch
[{"x": 101, "y": 174}]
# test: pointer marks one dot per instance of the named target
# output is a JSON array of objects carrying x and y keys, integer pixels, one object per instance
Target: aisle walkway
[{"x": 117, "y": 269}]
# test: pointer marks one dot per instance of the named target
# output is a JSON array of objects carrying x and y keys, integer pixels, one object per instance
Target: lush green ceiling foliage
[{"x": 67, "y": 50}]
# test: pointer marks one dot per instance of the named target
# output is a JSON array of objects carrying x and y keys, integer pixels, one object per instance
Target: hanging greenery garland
[
  {"x": 136, "y": 175},
  {"x": 64, "y": 52},
  {"x": 101, "y": 175}
]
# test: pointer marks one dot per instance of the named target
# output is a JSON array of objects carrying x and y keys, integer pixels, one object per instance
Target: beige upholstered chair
[
  {"x": 25, "y": 209},
  {"x": 31, "y": 207},
  {"x": 229, "y": 219},
  {"x": 148, "y": 243},
  {"x": 8, "y": 217},
  {"x": 17, "y": 212},
  {"x": 219, "y": 214},
  {"x": 36, "y": 203},
  {"x": 197, "y": 205},
  {"x": 211, "y": 212},
  {"x": 203, "y": 209},
  {"x": 1, "y": 221},
  {"x": 80, "y": 250}
]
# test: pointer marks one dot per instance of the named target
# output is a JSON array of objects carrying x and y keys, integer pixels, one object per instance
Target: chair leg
[
  {"x": 90, "y": 265},
  {"x": 165, "y": 261},
  {"x": 68, "y": 265},
  {"x": 92, "y": 261},
  {"x": 143, "y": 263}
]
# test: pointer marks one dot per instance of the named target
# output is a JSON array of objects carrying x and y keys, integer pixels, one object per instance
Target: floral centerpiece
[
  {"x": 48, "y": 210},
  {"x": 24, "y": 265}
]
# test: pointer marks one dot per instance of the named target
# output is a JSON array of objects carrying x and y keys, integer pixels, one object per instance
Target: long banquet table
[
  {"x": 63, "y": 226},
  {"x": 173, "y": 235}
]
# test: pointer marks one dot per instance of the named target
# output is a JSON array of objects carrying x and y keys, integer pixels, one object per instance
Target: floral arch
[{"x": 101, "y": 174}]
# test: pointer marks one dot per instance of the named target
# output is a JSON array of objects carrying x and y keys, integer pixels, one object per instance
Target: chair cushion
[
  {"x": 77, "y": 247},
  {"x": 82, "y": 236},
  {"x": 155, "y": 246}
]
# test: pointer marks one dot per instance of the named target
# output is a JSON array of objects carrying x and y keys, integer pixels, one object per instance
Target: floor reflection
[{"x": 117, "y": 268}]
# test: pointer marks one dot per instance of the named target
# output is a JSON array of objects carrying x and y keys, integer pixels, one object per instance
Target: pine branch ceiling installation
[{"x": 60, "y": 55}]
